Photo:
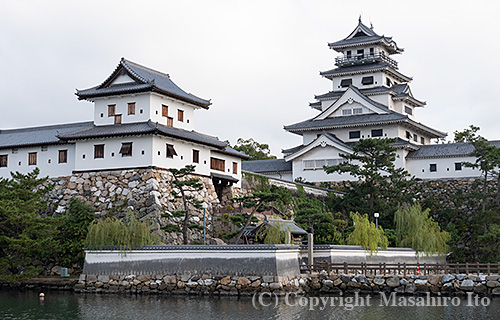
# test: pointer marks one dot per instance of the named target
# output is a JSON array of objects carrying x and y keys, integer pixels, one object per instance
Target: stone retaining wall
[
  {"x": 146, "y": 191},
  {"x": 317, "y": 284}
]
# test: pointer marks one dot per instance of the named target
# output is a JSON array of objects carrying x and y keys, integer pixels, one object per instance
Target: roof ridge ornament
[{"x": 359, "y": 19}]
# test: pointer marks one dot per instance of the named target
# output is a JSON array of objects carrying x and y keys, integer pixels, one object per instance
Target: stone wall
[
  {"x": 322, "y": 284},
  {"x": 145, "y": 191}
]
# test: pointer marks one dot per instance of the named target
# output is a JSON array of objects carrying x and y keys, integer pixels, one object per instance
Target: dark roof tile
[{"x": 272, "y": 165}]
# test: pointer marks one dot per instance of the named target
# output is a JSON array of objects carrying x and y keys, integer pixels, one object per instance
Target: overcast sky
[{"x": 258, "y": 61}]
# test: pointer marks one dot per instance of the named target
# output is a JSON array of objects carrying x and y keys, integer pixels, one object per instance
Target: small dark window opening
[
  {"x": 98, "y": 151},
  {"x": 361, "y": 53},
  {"x": 408, "y": 135},
  {"x": 377, "y": 133},
  {"x": 126, "y": 149},
  {"x": 415, "y": 137},
  {"x": 196, "y": 156},
  {"x": 345, "y": 83},
  {"x": 458, "y": 166},
  {"x": 388, "y": 82},
  {"x": 367, "y": 80},
  {"x": 422, "y": 140},
  {"x": 408, "y": 110},
  {"x": 372, "y": 51},
  {"x": 348, "y": 54},
  {"x": 354, "y": 134},
  {"x": 171, "y": 151},
  {"x": 433, "y": 167}
]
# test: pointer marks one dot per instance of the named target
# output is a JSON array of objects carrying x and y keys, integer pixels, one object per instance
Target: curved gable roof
[{"x": 145, "y": 80}]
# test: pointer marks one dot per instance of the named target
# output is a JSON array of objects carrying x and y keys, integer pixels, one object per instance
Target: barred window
[
  {"x": 32, "y": 159},
  {"x": 63, "y": 156},
  {"x": 98, "y": 151},
  {"x": 217, "y": 164},
  {"x": 3, "y": 160}
]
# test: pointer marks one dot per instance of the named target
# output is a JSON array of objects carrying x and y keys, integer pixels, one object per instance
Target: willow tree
[
  {"x": 366, "y": 234},
  {"x": 126, "y": 235},
  {"x": 417, "y": 230}
]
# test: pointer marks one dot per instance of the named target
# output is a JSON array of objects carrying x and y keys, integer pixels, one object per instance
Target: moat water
[{"x": 60, "y": 305}]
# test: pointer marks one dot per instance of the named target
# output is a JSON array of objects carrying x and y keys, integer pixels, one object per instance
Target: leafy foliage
[
  {"x": 274, "y": 233},
  {"x": 26, "y": 234},
  {"x": 381, "y": 187},
  {"x": 126, "y": 235},
  {"x": 256, "y": 151},
  {"x": 182, "y": 188},
  {"x": 310, "y": 214},
  {"x": 261, "y": 201},
  {"x": 365, "y": 234},
  {"x": 417, "y": 230},
  {"x": 73, "y": 226}
]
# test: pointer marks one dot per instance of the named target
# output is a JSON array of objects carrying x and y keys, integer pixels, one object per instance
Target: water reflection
[{"x": 56, "y": 305}]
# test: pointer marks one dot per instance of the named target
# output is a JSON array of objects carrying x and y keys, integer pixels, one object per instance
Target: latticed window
[
  {"x": 32, "y": 159},
  {"x": 131, "y": 108},
  {"x": 63, "y": 156},
  {"x": 320, "y": 163},
  {"x": 126, "y": 149},
  {"x": 196, "y": 156},
  {"x": 3, "y": 161},
  {"x": 98, "y": 151},
  {"x": 217, "y": 164},
  {"x": 111, "y": 110},
  {"x": 357, "y": 110}
]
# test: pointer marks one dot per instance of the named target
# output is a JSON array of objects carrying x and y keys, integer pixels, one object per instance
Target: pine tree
[{"x": 182, "y": 184}]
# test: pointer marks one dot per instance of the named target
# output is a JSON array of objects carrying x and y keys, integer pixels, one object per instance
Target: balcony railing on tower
[{"x": 365, "y": 59}]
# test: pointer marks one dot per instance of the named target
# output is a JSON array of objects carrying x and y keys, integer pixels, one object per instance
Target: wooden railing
[{"x": 403, "y": 268}]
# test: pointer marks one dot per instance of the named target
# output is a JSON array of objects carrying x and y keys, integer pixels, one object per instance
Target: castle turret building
[{"x": 370, "y": 98}]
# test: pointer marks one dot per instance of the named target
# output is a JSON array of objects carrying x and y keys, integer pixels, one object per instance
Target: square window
[
  {"x": 180, "y": 115},
  {"x": 367, "y": 80},
  {"x": 217, "y": 164},
  {"x": 3, "y": 161},
  {"x": 377, "y": 133},
  {"x": 32, "y": 159},
  {"x": 126, "y": 149},
  {"x": 458, "y": 166},
  {"x": 131, "y": 108},
  {"x": 433, "y": 167},
  {"x": 354, "y": 134},
  {"x": 111, "y": 110},
  {"x": 345, "y": 83},
  {"x": 196, "y": 156},
  {"x": 171, "y": 151},
  {"x": 63, "y": 156},
  {"x": 98, "y": 151}
]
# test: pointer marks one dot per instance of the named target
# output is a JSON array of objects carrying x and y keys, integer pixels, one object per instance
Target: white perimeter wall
[{"x": 445, "y": 168}]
